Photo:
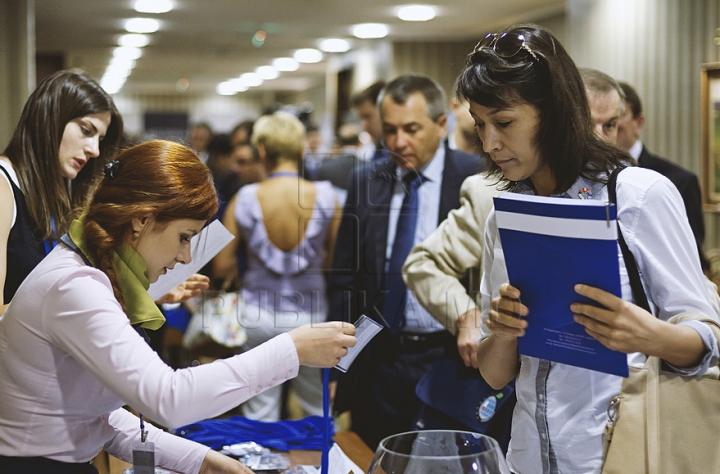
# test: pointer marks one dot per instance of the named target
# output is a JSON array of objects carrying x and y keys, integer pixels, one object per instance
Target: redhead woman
[{"x": 72, "y": 351}]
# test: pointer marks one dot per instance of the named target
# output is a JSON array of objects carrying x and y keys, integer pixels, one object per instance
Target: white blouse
[
  {"x": 69, "y": 359},
  {"x": 561, "y": 410}
]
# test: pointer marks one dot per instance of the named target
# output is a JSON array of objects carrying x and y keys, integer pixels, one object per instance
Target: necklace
[{"x": 278, "y": 174}]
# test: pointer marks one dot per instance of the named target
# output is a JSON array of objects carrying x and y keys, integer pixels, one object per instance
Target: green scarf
[{"x": 139, "y": 305}]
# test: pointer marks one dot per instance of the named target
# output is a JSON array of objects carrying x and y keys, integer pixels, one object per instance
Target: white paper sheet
[
  {"x": 338, "y": 463},
  {"x": 211, "y": 240}
]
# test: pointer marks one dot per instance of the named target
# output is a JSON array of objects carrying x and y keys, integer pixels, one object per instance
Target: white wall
[{"x": 17, "y": 62}]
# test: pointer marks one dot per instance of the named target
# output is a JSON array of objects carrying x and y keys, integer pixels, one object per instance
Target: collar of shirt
[
  {"x": 636, "y": 149},
  {"x": 581, "y": 189},
  {"x": 432, "y": 170}
]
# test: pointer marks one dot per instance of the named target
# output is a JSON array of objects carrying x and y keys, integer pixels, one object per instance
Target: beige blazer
[{"x": 434, "y": 268}]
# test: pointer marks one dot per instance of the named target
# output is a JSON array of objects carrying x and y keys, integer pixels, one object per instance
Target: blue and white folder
[{"x": 550, "y": 245}]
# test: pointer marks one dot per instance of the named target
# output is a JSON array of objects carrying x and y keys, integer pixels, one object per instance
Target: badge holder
[{"x": 143, "y": 453}]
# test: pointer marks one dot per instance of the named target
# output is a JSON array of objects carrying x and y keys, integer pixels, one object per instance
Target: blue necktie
[{"x": 396, "y": 292}]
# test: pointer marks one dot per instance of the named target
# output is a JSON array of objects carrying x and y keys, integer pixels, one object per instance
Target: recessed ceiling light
[
  {"x": 112, "y": 84},
  {"x": 115, "y": 70},
  {"x": 370, "y": 30},
  {"x": 127, "y": 62},
  {"x": 182, "y": 84},
  {"x": 308, "y": 55},
  {"x": 226, "y": 88},
  {"x": 285, "y": 64},
  {"x": 238, "y": 84},
  {"x": 416, "y": 13},
  {"x": 127, "y": 52},
  {"x": 267, "y": 72},
  {"x": 334, "y": 45},
  {"x": 153, "y": 6},
  {"x": 142, "y": 25},
  {"x": 251, "y": 79},
  {"x": 133, "y": 41}
]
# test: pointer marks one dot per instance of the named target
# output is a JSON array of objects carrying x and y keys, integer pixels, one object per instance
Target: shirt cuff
[
  {"x": 712, "y": 355},
  {"x": 179, "y": 454}
]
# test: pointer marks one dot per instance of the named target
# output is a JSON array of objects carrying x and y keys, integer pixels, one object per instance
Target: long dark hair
[
  {"x": 552, "y": 84},
  {"x": 34, "y": 146},
  {"x": 159, "y": 178}
]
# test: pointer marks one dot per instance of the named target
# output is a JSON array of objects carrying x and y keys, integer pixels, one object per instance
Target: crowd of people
[{"x": 392, "y": 219}]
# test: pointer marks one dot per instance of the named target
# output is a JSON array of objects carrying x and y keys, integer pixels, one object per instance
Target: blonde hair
[{"x": 282, "y": 135}]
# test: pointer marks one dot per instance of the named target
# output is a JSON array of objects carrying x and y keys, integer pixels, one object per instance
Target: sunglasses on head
[{"x": 506, "y": 45}]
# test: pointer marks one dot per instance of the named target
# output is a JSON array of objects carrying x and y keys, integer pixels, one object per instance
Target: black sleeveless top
[{"x": 24, "y": 249}]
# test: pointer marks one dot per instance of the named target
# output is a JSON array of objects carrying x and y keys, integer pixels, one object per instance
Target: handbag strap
[
  {"x": 630, "y": 264},
  {"x": 652, "y": 404},
  {"x": 652, "y": 407}
]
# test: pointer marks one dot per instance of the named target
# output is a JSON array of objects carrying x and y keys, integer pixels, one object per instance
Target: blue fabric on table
[{"x": 284, "y": 435}]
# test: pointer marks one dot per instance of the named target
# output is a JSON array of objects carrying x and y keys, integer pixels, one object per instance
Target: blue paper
[{"x": 550, "y": 245}]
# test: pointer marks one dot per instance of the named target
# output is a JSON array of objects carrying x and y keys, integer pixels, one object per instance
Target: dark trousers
[
  {"x": 39, "y": 465},
  {"x": 385, "y": 402}
]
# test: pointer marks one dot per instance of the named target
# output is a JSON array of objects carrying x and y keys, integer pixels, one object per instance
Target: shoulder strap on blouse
[{"x": 630, "y": 264}]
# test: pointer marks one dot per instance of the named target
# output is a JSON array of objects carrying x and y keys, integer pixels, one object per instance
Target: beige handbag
[{"x": 664, "y": 423}]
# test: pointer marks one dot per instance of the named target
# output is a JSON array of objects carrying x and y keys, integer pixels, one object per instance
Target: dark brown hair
[
  {"x": 369, "y": 94},
  {"x": 401, "y": 88},
  {"x": 632, "y": 99},
  {"x": 551, "y": 84},
  {"x": 34, "y": 146},
  {"x": 159, "y": 178}
]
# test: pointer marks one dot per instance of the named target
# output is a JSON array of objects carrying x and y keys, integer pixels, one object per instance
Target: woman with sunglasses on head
[
  {"x": 532, "y": 117},
  {"x": 72, "y": 351}
]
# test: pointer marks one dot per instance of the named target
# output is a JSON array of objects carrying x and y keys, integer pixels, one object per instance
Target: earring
[{"x": 136, "y": 235}]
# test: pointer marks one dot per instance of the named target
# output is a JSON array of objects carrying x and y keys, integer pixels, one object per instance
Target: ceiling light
[
  {"x": 251, "y": 79},
  {"x": 182, "y": 84},
  {"x": 133, "y": 41},
  {"x": 117, "y": 71},
  {"x": 370, "y": 30},
  {"x": 112, "y": 85},
  {"x": 153, "y": 6},
  {"x": 308, "y": 55},
  {"x": 416, "y": 13},
  {"x": 267, "y": 72},
  {"x": 142, "y": 25},
  {"x": 120, "y": 61},
  {"x": 127, "y": 52},
  {"x": 334, "y": 45},
  {"x": 285, "y": 64},
  {"x": 238, "y": 84},
  {"x": 225, "y": 88}
]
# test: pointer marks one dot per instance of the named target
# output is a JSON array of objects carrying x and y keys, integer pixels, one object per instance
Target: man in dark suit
[
  {"x": 365, "y": 104},
  {"x": 630, "y": 126},
  {"x": 423, "y": 171}
]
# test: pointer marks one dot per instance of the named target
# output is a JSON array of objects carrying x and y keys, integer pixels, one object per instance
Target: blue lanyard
[
  {"x": 143, "y": 433},
  {"x": 49, "y": 243},
  {"x": 278, "y": 174},
  {"x": 327, "y": 432}
]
